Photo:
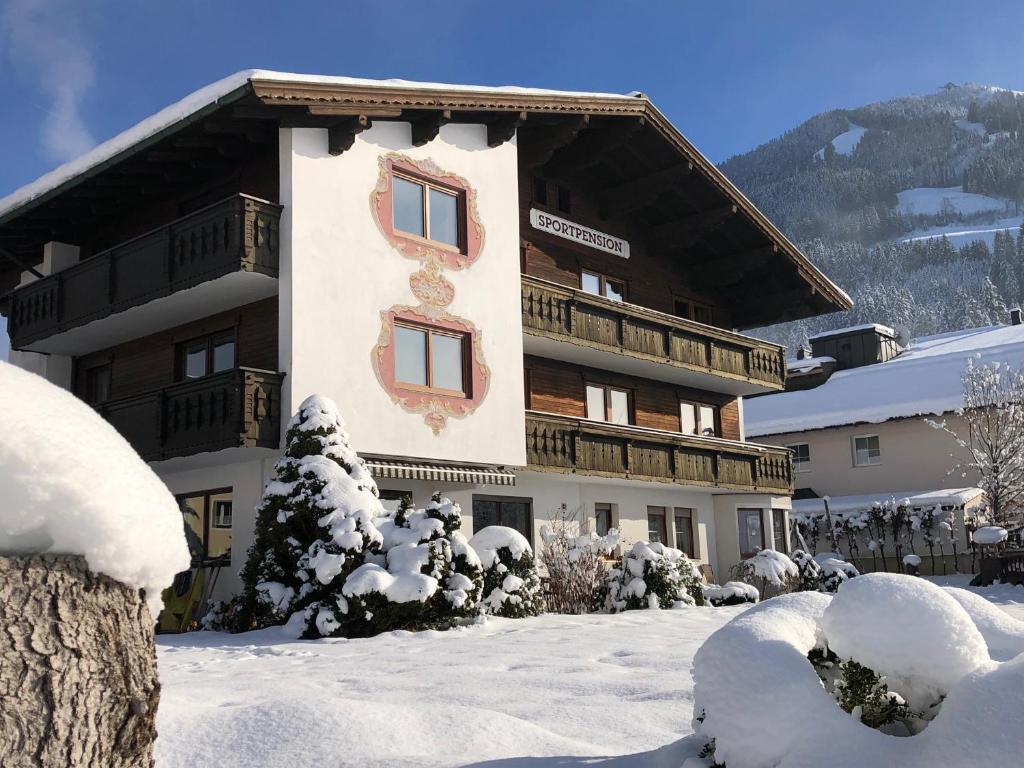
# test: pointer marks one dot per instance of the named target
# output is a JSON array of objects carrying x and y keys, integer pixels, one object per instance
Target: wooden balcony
[
  {"x": 641, "y": 341},
  {"x": 239, "y": 234},
  {"x": 564, "y": 444},
  {"x": 236, "y": 408}
]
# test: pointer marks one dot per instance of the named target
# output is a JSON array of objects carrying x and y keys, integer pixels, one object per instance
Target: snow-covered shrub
[
  {"x": 651, "y": 576},
  {"x": 314, "y": 527},
  {"x": 576, "y": 565},
  {"x": 429, "y": 577},
  {"x": 511, "y": 584},
  {"x": 834, "y": 571},
  {"x": 730, "y": 593},
  {"x": 811, "y": 577},
  {"x": 770, "y": 572},
  {"x": 891, "y": 650}
]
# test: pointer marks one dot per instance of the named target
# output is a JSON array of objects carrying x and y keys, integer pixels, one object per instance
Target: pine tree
[{"x": 314, "y": 526}]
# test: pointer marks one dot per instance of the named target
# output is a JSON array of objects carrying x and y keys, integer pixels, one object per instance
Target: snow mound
[
  {"x": 905, "y": 628},
  {"x": 489, "y": 540},
  {"x": 71, "y": 484},
  {"x": 989, "y": 534},
  {"x": 1003, "y": 634}
]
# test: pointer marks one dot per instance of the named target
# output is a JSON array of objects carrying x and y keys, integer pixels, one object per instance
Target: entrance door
[{"x": 751, "y": 530}]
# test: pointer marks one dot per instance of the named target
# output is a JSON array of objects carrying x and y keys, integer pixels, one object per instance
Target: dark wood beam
[
  {"x": 588, "y": 148},
  {"x": 426, "y": 127},
  {"x": 347, "y": 110},
  {"x": 687, "y": 230},
  {"x": 536, "y": 152},
  {"x": 225, "y": 146},
  {"x": 731, "y": 268},
  {"x": 341, "y": 136},
  {"x": 24, "y": 266},
  {"x": 504, "y": 128},
  {"x": 640, "y": 192}
]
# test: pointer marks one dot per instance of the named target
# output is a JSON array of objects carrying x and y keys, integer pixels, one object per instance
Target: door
[{"x": 751, "y": 529}]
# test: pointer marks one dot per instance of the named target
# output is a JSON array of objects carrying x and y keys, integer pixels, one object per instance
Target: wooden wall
[
  {"x": 149, "y": 363},
  {"x": 650, "y": 281},
  {"x": 556, "y": 387}
]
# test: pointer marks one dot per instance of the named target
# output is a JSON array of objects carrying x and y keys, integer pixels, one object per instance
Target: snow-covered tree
[
  {"x": 652, "y": 576},
  {"x": 511, "y": 584},
  {"x": 992, "y": 440},
  {"x": 314, "y": 527}
]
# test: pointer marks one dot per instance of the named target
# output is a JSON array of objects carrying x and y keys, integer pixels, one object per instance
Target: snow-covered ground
[
  {"x": 551, "y": 692},
  {"x": 845, "y": 142},
  {"x": 931, "y": 201},
  {"x": 978, "y": 129},
  {"x": 961, "y": 234}
]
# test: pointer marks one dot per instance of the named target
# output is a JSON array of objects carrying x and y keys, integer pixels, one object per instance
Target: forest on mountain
[{"x": 914, "y": 206}]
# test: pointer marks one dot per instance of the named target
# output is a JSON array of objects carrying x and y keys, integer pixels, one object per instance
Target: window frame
[
  {"x": 608, "y": 389},
  {"x": 687, "y": 513},
  {"x": 540, "y": 191},
  {"x": 501, "y": 500},
  {"x": 800, "y": 465},
  {"x": 430, "y": 331},
  {"x": 89, "y": 382},
  {"x": 602, "y": 284},
  {"x": 210, "y": 340},
  {"x": 779, "y": 517},
  {"x": 716, "y": 416},
  {"x": 853, "y": 444},
  {"x": 662, "y": 512},
  {"x": 600, "y": 508},
  {"x": 427, "y": 184},
  {"x": 692, "y": 305},
  {"x": 746, "y": 512},
  {"x": 207, "y": 520}
]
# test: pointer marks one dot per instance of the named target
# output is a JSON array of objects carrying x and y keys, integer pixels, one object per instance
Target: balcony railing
[
  {"x": 564, "y": 444},
  {"x": 568, "y": 314},
  {"x": 239, "y": 234},
  {"x": 236, "y": 408}
]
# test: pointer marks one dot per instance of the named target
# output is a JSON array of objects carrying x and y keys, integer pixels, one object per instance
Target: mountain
[{"x": 914, "y": 206}]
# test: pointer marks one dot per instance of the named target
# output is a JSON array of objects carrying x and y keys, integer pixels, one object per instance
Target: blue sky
[{"x": 730, "y": 74}]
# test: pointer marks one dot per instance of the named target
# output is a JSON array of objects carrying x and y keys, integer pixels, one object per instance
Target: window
[
  {"x": 207, "y": 354},
  {"x": 692, "y": 310},
  {"x": 426, "y": 210},
  {"x": 602, "y": 518},
  {"x": 751, "y": 531},
  {"x": 801, "y": 457},
  {"x": 683, "y": 519},
  {"x": 207, "y": 519},
  {"x": 698, "y": 419},
  {"x": 609, "y": 404},
  {"x": 601, "y": 285},
  {"x": 702, "y": 314},
  {"x": 431, "y": 359},
  {"x": 866, "y": 451},
  {"x": 97, "y": 384},
  {"x": 503, "y": 510},
  {"x": 390, "y": 499},
  {"x": 564, "y": 199},
  {"x": 540, "y": 191},
  {"x": 656, "y": 533},
  {"x": 779, "y": 538}
]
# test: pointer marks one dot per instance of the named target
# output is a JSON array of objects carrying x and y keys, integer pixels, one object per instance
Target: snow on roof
[
  {"x": 855, "y": 329},
  {"x": 798, "y": 365},
  {"x": 71, "y": 484},
  {"x": 924, "y": 379},
  {"x": 211, "y": 94},
  {"x": 841, "y": 505}
]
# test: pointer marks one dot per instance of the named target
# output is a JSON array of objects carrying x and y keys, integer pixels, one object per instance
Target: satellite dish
[{"x": 902, "y": 335}]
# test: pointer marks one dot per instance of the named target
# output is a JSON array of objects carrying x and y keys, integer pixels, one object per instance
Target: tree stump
[{"x": 78, "y": 675}]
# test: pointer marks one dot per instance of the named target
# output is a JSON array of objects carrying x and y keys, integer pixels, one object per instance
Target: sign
[{"x": 545, "y": 222}]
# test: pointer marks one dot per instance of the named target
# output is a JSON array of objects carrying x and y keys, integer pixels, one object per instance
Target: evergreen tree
[
  {"x": 314, "y": 527},
  {"x": 511, "y": 584}
]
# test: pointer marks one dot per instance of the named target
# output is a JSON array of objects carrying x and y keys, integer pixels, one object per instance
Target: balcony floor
[{"x": 231, "y": 290}]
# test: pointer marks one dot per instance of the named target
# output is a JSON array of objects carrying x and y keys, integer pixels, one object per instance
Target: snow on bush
[
  {"x": 651, "y": 576},
  {"x": 314, "y": 527},
  {"x": 575, "y": 564},
  {"x": 989, "y": 535},
  {"x": 70, "y": 484},
  {"x": 770, "y": 572},
  {"x": 511, "y": 585},
  {"x": 809, "y": 679},
  {"x": 834, "y": 571},
  {"x": 430, "y": 577},
  {"x": 730, "y": 593}
]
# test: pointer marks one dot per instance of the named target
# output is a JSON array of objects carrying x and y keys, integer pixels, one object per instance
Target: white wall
[{"x": 338, "y": 274}]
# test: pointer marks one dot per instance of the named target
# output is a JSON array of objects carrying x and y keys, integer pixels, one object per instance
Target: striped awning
[{"x": 443, "y": 473}]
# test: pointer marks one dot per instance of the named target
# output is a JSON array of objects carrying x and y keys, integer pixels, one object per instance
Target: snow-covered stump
[{"x": 78, "y": 675}]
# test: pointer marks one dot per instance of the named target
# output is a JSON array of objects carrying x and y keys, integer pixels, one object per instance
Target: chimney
[{"x": 1015, "y": 316}]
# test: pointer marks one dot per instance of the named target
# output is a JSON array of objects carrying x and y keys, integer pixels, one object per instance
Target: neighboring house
[
  {"x": 527, "y": 299},
  {"x": 859, "y": 428}
]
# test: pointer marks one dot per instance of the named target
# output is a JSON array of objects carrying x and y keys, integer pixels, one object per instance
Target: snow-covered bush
[
  {"x": 575, "y": 564},
  {"x": 314, "y": 527},
  {"x": 429, "y": 577},
  {"x": 511, "y": 584},
  {"x": 730, "y": 593},
  {"x": 890, "y": 650},
  {"x": 651, "y": 576},
  {"x": 811, "y": 577},
  {"x": 834, "y": 571},
  {"x": 770, "y": 572}
]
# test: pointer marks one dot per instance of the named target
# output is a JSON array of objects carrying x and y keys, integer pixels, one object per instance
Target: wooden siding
[
  {"x": 567, "y": 314},
  {"x": 569, "y": 445},
  {"x": 557, "y": 387},
  {"x": 149, "y": 363}
]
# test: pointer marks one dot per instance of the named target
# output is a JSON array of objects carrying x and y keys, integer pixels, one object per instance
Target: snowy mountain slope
[{"x": 913, "y": 205}]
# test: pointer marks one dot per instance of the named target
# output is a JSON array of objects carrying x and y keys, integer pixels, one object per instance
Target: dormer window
[{"x": 427, "y": 210}]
